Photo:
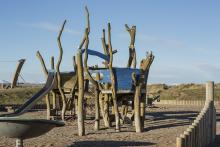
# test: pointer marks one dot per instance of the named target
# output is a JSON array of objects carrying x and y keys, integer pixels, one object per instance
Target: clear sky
[{"x": 183, "y": 35}]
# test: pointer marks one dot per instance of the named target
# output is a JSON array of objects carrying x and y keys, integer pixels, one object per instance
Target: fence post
[
  {"x": 210, "y": 90},
  {"x": 196, "y": 126},
  {"x": 210, "y": 97},
  {"x": 192, "y": 127},
  {"x": 180, "y": 142},
  {"x": 187, "y": 138},
  {"x": 214, "y": 124}
]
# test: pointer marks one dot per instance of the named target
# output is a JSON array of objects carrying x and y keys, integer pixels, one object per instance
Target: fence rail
[
  {"x": 202, "y": 131},
  {"x": 184, "y": 102}
]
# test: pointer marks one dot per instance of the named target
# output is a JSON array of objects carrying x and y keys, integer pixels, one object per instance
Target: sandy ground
[{"x": 163, "y": 125}]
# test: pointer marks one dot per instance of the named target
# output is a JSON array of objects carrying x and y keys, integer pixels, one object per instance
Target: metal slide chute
[{"x": 49, "y": 85}]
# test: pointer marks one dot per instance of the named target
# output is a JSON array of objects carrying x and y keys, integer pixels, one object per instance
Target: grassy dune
[
  {"x": 17, "y": 95},
  {"x": 182, "y": 91},
  {"x": 179, "y": 92}
]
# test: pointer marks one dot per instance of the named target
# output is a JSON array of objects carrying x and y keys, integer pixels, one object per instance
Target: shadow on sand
[
  {"x": 170, "y": 119},
  {"x": 109, "y": 143}
]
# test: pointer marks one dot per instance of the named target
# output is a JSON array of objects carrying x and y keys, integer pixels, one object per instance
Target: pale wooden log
[
  {"x": 85, "y": 43},
  {"x": 142, "y": 110},
  {"x": 210, "y": 90},
  {"x": 189, "y": 130},
  {"x": 195, "y": 124},
  {"x": 193, "y": 140},
  {"x": 106, "y": 108},
  {"x": 19, "y": 142},
  {"x": 17, "y": 73},
  {"x": 59, "y": 80},
  {"x": 210, "y": 97},
  {"x": 39, "y": 56},
  {"x": 180, "y": 142},
  {"x": 137, "y": 117},
  {"x": 187, "y": 138},
  {"x": 214, "y": 124},
  {"x": 204, "y": 129},
  {"x": 53, "y": 93},
  {"x": 132, "y": 52},
  {"x": 113, "y": 82},
  {"x": 48, "y": 106},
  {"x": 81, "y": 127},
  {"x": 124, "y": 109},
  {"x": 97, "y": 111},
  {"x": 101, "y": 104},
  {"x": 183, "y": 137}
]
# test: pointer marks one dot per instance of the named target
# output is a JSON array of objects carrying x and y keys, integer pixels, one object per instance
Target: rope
[{"x": 22, "y": 78}]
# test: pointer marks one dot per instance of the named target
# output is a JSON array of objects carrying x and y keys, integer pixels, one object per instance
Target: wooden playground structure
[
  {"x": 119, "y": 94},
  {"x": 110, "y": 87},
  {"x": 116, "y": 91}
]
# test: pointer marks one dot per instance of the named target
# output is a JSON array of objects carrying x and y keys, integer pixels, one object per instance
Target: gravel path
[{"x": 163, "y": 125}]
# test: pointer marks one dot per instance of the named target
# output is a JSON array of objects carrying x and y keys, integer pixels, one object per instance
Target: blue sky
[{"x": 183, "y": 35}]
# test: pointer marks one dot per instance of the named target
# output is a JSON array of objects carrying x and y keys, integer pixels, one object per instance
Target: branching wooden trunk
[
  {"x": 132, "y": 52},
  {"x": 59, "y": 80}
]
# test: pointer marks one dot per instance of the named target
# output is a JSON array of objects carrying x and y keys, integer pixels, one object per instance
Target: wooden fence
[
  {"x": 202, "y": 131},
  {"x": 184, "y": 102}
]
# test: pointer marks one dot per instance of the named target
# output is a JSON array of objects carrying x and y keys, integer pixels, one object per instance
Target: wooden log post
[
  {"x": 101, "y": 104},
  {"x": 187, "y": 138},
  {"x": 124, "y": 109},
  {"x": 48, "y": 95},
  {"x": 17, "y": 73},
  {"x": 81, "y": 127},
  {"x": 189, "y": 130},
  {"x": 137, "y": 114},
  {"x": 180, "y": 142},
  {"x": 200, "y": 132},
  {"x": 195, "y": 124},
  {"x": 214, "y": 124},
  {"x": 53, "y": 93},
  {"x": 183, "y": 138},
  {"x": 113, "y": 82},
  {"x": 203, "y": 130},
  {"x": 193, "y": 140},
  {"x": 97, "y": 111},
  {"x": 210, "y": 90},
  {"x": 132, "y": 52},
  {"x": 19, "y": 142},
  {"x": 85, "y": 43},
  {"x": 48, "y": 106},
  {"x": 106, "y": 108},
  {"x": 210, "y": 97},
  {"x": 205, "y": 124},
  {"x": 209, "y": 125},
  {"x": 59, "y": 80},
  {"x": 201, "y": 122},
  {"x": 39, "y": 56},
  {"x": 47, "y": 98},
  {"x": 139, "y": 99},
  {"x": 142, "y": 109}
]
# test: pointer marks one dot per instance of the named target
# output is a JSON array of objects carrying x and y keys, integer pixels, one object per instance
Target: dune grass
[
  {"x": 166, "y": 92},
  {"x": 182, "y": 91}
]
